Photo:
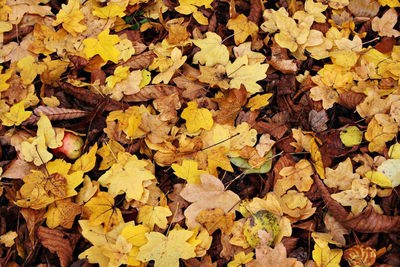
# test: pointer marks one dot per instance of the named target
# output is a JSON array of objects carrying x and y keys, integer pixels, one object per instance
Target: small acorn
[{"x": 72, "y": 146}]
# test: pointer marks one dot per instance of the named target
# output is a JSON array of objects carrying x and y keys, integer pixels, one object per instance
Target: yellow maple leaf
[
  {"x": 103, "y": 46},
  {"x": 16, "y": 115},
  {"x": 120, "y": 73},
  {"x": 390, "y": 3},
  {"x": 217, "y": 157},
  {"x": 166, "y": 75},
  {"x": 126, "y": 48},
  {"x": 197, "y": 118},
  {"x": 258, "y": 101},
  {"x": 128, "y": 121},
  {"x": 71, "y": 17},
  {"x": 136, "y": 235},
  {"x": 8, "y": 238},
  {"x": 240, "y": 72},
  {"x": 109, "y": 152},
  {"x": 101, "y": 210},
  {"x": 110, "y": 248},
  {"x": 214, "y": 219},
  {"x": 327, "y": 94},
  {"x": 314, "y": 9},
  {"x": 119, "y": 179},
  {"x": 62, "y": 212},
  {"x": 4, "y": 78},
  {"x": 167, "y": 250},
  {"x": 326, "y": 257},
  {"x": 241, "y": 258},
  {"x": 212, "y": 51},
  {"x": 188, "y": 171},
  {"x": 242, "y": 28},
  {"x": 187, "y": 7},
  {"x": 215, "y": 76},
  {"x": 29, "y": 69},
  {"x": 110, "y": 11},
  {"x": 381, "y": 129},
  {"x": 87, "y": 161},
  {"x": 322, "y": 254},
  {"x": 35, "y": 149},
  {"x": 154, "y": 215},
  {"x": 40, "y": 189}
]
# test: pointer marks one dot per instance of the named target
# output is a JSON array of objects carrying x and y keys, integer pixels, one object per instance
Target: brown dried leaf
[
  {"x": 364, "y": 8},
  {"x": 273, "y": 257},
  {"x": 368, "y": 221},
  {"x": 58, "y": 242},
  {"x": 178, "y": 203},
  {"x": 139, "y": 62},
  {"x": 256, "y": 10},
  {"x": 335, "y": 229},
  {"x": 281, "y": 61},
  {"x": 277, "y": 130},
  {"x": 167, "y": 106},
  {"x": 230, "y": 105},
  {"x": 55, "y": 113},
  {"x": 18, "y": 168},
  {"x": 318, "y": 120},
  {"x": 87, "y": 96},
  {"x": 32, "y": 218},
  {"x": 351, "y": 99},
  {"x": 150, "y": 92},
  {"x": 205, "y": 262},
  {"x": 193, "y": 89}
]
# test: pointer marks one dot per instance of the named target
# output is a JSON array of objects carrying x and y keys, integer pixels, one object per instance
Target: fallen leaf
[
  {"x": 207, "y": 195},
  {"x": 167, "y": 250}
]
